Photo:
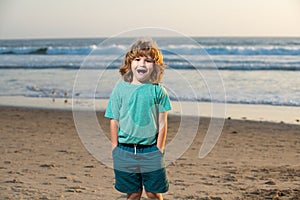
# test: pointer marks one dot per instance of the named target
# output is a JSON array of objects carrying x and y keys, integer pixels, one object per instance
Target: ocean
[{"x": 236, "y": 70}]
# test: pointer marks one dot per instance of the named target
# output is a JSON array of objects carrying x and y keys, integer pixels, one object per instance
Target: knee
[{"x": 154, "y": 196}]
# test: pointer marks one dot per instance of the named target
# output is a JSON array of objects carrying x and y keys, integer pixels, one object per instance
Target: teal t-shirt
[{"x": 136, "y": 107}]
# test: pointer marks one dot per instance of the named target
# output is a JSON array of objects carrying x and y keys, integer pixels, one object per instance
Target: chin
[{"x": 143, "y": 79}]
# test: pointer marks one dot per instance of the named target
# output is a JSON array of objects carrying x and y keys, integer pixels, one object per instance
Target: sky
[{"x": 25, "y": 19}]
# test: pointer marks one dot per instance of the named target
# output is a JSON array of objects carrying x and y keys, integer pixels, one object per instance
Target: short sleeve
[
  {"x": 163, "y": 100},
  {"x": 114, "y": 105}
]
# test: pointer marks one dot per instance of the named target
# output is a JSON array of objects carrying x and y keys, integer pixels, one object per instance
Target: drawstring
[{"x": 135, "y": 149}]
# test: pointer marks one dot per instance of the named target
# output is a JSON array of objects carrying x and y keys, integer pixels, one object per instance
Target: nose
[{"x": 142, "y": 62}]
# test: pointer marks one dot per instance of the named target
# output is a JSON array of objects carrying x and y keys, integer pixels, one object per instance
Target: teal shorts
[{"x": 138, "y": 166}]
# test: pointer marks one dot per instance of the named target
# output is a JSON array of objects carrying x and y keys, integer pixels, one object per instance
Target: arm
[
  {"x": 114, "y": 124},
  {"x": 162, "y": 133}
]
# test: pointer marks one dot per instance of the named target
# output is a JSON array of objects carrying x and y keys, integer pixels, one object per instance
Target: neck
[{"x": 135, "y": 82}]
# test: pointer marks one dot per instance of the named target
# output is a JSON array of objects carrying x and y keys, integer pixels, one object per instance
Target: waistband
[{"x": 136, "y": 145}]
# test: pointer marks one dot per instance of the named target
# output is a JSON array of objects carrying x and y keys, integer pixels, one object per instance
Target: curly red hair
[{"x": 143, "y": 48}]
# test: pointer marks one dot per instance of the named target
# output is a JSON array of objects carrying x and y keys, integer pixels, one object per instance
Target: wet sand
[{"x": 42, "y": 157}]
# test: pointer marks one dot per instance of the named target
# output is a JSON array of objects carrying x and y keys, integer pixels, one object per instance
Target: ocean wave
[
  {"x": 110, "y": 50},
  {"x": 37, "y": 91},
  {"x": 231, "y": 50},
  {"x": 167, "y": 50},
  {"x": 23, "y": 50},
  {"x": 190, "y": 62},
  {"x": 176, "y": 67}
]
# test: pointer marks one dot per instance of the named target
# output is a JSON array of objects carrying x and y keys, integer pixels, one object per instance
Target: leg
[
  {"x": 134, "y": 196},
  {"x": 154, "y": 178},
  {"x": 154, "y": 196}
]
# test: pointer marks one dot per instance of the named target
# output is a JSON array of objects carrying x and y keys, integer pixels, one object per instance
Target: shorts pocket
[
  {"x": 113, "y": 152},
  {"x": 157, "y": 149}
]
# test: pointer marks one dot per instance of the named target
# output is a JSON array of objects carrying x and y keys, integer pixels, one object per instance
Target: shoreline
[{"x": 252, "y": 112}]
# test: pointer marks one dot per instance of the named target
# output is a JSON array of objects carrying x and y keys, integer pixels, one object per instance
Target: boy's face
[{"x": 142, "y": 68}]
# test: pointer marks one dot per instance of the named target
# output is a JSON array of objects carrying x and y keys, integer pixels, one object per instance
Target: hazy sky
[{"x": 98, "y": 18}]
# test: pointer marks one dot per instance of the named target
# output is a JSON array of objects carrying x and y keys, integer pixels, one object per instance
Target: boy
[{"x": 137, "y": 110}]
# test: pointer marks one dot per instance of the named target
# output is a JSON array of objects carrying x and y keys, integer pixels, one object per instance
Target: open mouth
[{"x": 141, "y": 71}]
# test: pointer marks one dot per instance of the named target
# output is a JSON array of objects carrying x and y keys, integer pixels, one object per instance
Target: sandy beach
[{"x": 42, "y": 157}]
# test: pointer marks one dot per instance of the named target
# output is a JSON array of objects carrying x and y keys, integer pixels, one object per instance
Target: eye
[
  {"x": 149, "y": 60},
  {"x": 137, "y": 59}
]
